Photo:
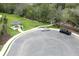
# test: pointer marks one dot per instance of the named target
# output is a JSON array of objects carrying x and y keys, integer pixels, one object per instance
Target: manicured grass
[
  {"x": 12, "y": 32},
  {"x": 54, "y": 26},
  {"x": 1, "y": 47},
  {"x": 27, "y": 24}
]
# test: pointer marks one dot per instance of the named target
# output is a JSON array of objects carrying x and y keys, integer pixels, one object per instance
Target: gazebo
[{"x": 16, "y": 25}]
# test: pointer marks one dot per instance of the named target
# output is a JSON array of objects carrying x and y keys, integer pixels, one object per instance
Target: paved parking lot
[{"x": 45, "y": 43}]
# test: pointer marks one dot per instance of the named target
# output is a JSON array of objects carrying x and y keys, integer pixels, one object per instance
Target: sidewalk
[{"x": 20, "y": 30}]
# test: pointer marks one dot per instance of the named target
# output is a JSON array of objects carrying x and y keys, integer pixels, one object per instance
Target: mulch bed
[{"x": 4, "y": 39}]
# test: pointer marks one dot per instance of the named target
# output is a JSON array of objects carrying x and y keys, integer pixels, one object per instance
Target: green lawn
[
  {"x": 27, "y": 24},
  {"x": 1, "y": 47},
  {"x": 54, "y": 26}
]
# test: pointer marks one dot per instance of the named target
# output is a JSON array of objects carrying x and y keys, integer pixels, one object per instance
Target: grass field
[
  {"x": 54, "y": 26},
  {"x": 27, "y": 24}
]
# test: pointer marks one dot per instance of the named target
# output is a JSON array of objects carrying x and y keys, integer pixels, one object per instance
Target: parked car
[{"x": 65, "y": 31}]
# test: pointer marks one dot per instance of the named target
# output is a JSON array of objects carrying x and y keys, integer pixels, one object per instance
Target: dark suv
[{"x": 65, "y": 31}]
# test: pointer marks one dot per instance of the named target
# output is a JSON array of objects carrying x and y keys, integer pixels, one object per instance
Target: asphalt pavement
[{"x": 45, "y": 43}]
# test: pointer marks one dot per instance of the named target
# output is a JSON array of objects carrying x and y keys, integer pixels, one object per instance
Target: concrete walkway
[{"x": 20, "y": 30}]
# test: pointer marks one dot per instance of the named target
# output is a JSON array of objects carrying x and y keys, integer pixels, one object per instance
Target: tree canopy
[{"x": 44, "y": 12}]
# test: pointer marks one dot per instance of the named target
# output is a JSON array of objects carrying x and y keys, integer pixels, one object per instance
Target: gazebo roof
[{"x": 16, "y": 23}]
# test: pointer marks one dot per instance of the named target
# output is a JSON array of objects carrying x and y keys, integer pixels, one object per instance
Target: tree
[{"x": 4, "y": 26}]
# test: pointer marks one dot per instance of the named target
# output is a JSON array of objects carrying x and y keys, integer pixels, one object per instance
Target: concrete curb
[
  {"x": 72, "y": 32},
  {"x": 75, "y": 35}
]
